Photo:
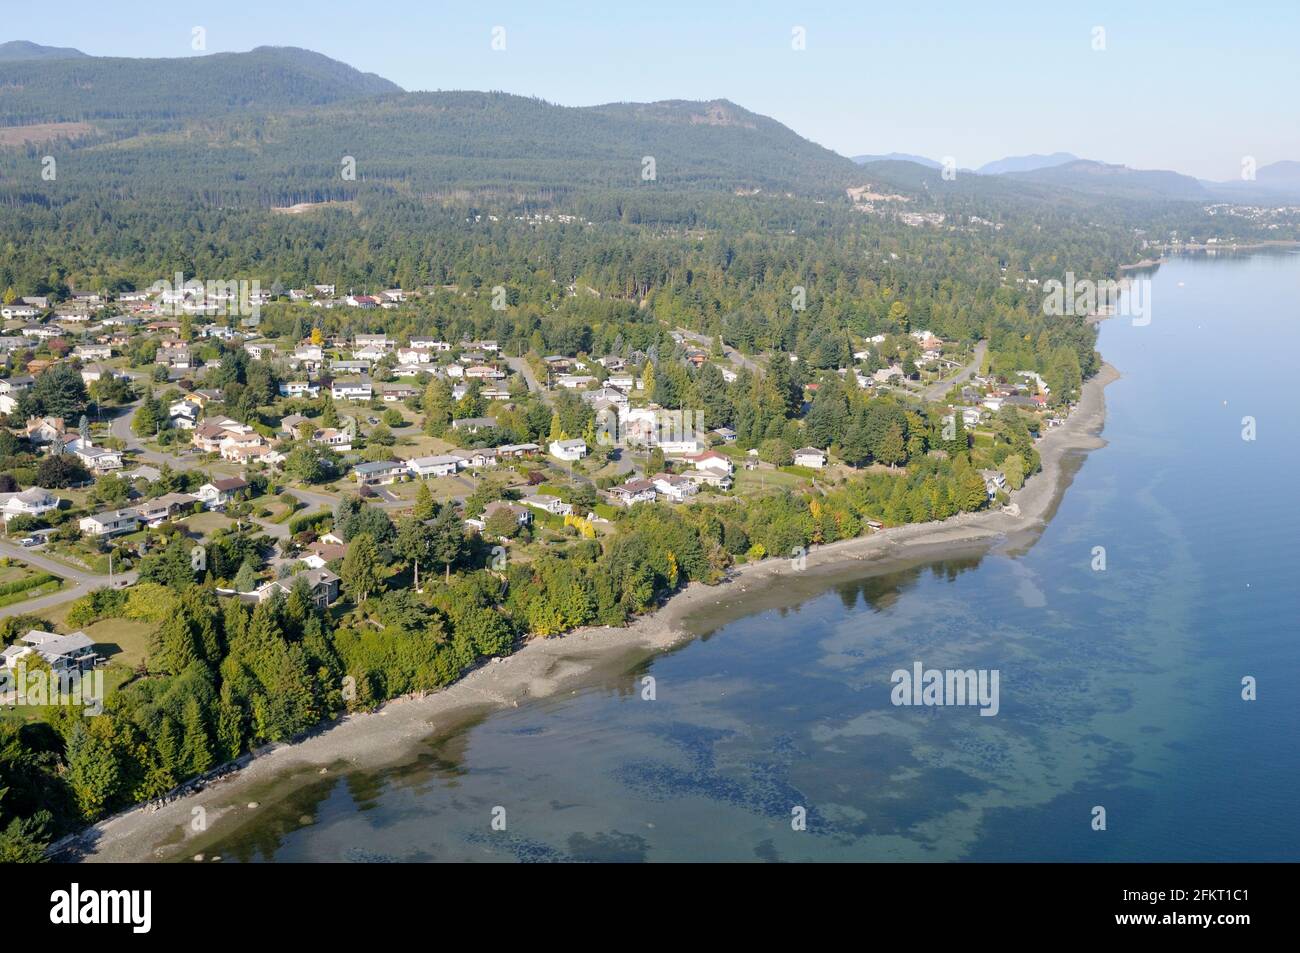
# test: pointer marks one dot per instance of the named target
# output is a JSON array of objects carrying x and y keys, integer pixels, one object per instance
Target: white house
[
  {"x": 358, "y": 389},
  {"x": 299, "y": 389},
  {"x": 220, "y": 492},
  {"x": 568, "y": 449},
  {"x": 712, "y": 460},
  {"x": 676, "y": 488},
  {"x": 31, "y": 502},
  {"x": 63, "y": 653},
  {"x": 444, "y": 465},
  {"x": 810, "y": 457},
  {"x": 110, "y": 523},
  {"x": 551, "y": 504}
]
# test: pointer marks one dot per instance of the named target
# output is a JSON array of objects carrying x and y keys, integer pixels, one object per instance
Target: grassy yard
[
  {"x": 205, "y": 524},
  {"x": 20, "y": 582},
  {"x": 122, "y": 641},
  {"x": 759, "y": 482}
]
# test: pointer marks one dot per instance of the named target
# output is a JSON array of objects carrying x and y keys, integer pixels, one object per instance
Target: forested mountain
[
  {"x": 51, "y": 88},
  {"x": 1116, "y": 181},
  {"x": 20, "y": 50}
]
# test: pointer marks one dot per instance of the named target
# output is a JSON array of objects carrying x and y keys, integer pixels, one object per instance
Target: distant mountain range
[
  {"x": 897, "y": 157},
  {"x": 274, "y": 123},
  {"x": 1029, "y": 163}
]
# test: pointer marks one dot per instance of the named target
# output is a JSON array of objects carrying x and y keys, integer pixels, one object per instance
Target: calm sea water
[{"x": 1119, "y": 689}]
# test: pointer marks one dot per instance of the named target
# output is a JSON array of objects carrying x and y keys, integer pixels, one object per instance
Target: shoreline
[{"x": 544, "y": 668}]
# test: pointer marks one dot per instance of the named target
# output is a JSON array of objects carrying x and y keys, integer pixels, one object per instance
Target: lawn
[
  {"x": 756, "y": 482},
  {"x": 20, "y": 582},
  {"x": 122, "y": 641},
  {"x": 205, "y": 524}
]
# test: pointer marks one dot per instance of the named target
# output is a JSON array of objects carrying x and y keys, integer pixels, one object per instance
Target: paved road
[
  {"x": 936, "y": 391},
  {"x": 80, "y": 582},
  {"x": 120, "y": 427},
  {"x": 521, "y": 366}
]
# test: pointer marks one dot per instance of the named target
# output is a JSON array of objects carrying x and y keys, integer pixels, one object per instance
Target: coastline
[{"x": 546, "y": 667}]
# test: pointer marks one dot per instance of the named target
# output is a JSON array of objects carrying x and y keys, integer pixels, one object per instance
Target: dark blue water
[{"x": 1120, "y": 689}]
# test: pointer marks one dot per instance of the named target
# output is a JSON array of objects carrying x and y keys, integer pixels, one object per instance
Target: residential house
[
  {"x": 633, "y": 491},
  {"x": 551, "y": 504},
  {"x": 33, "y": 501},
  {"x": 160, "y": 510},
  {"x": 521, "y": 514},
  {"x": 173, "y": 355},
  {"x": 98, "y": 459},
  {"x": 339, "y": 440},
  {"x": 678, "y": 489},
  {"x": 568, "y": 449},
  {"x": 220, "y": 492},
  {"x": 443, "y": 465},
  {"x": 380, "y": 472},
  {"x": 110, "y": 523},
  {"x": 712, "y": 460},
  {"x": 40, "y": 430},
  {"x": 290, "y": 423},
  {"x": 473, "y": 424},
  {"x": 684, "y": 447},
  {"x": 324, "y": 586},
  {"x": 74, "y": 652},
  {"x": 320, "y": 554},
  {"x": 393, "y": 393},
  {"x": 93, "y": 352},
  {"x": 517, "y": 450},
  {"x": 299, "y": 389},
  {"x": 184, "y": 414},
  {"x": 810, "y": 457},
  {"x": 351, "y": 389}
]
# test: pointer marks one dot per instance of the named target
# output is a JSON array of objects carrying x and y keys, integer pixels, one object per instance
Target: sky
[{"x": 1191, "y": 86}]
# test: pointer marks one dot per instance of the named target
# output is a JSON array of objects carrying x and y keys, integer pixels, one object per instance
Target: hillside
[
  {"x": 1115, "y": 181},
  {"x": 52, "y": 88},
  {"x": 22, "y": 50},
  {"x": 464, "y": 142}
]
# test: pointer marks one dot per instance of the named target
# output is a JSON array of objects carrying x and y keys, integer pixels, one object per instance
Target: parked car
[{"x": 31, "y": 541}]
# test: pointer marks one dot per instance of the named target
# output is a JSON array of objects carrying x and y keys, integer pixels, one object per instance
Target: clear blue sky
[{"x": 1190, "y": 86}]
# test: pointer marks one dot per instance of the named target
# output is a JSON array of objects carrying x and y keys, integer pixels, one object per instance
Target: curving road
[
  {"x": 80, "y": 582},
  {"x": 936, "y": 391}
]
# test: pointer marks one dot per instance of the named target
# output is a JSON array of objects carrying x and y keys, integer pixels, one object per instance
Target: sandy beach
[{"x": 546, "y": 667}]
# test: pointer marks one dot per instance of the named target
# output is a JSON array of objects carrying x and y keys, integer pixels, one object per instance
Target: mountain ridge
[{"x": 19, "y": 51}]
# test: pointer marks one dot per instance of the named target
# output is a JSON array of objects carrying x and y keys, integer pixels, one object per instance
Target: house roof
[
  {"x": 230, "y": 483},
  {"x": 378, "y": 466},
  {"x": 112, "y": 516}
]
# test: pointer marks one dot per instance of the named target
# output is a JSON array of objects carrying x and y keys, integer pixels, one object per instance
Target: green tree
[{"x": 360, "y": 570}]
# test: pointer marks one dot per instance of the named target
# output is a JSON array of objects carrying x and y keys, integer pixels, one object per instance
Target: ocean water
[{"x": 1118, "y": 689}]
